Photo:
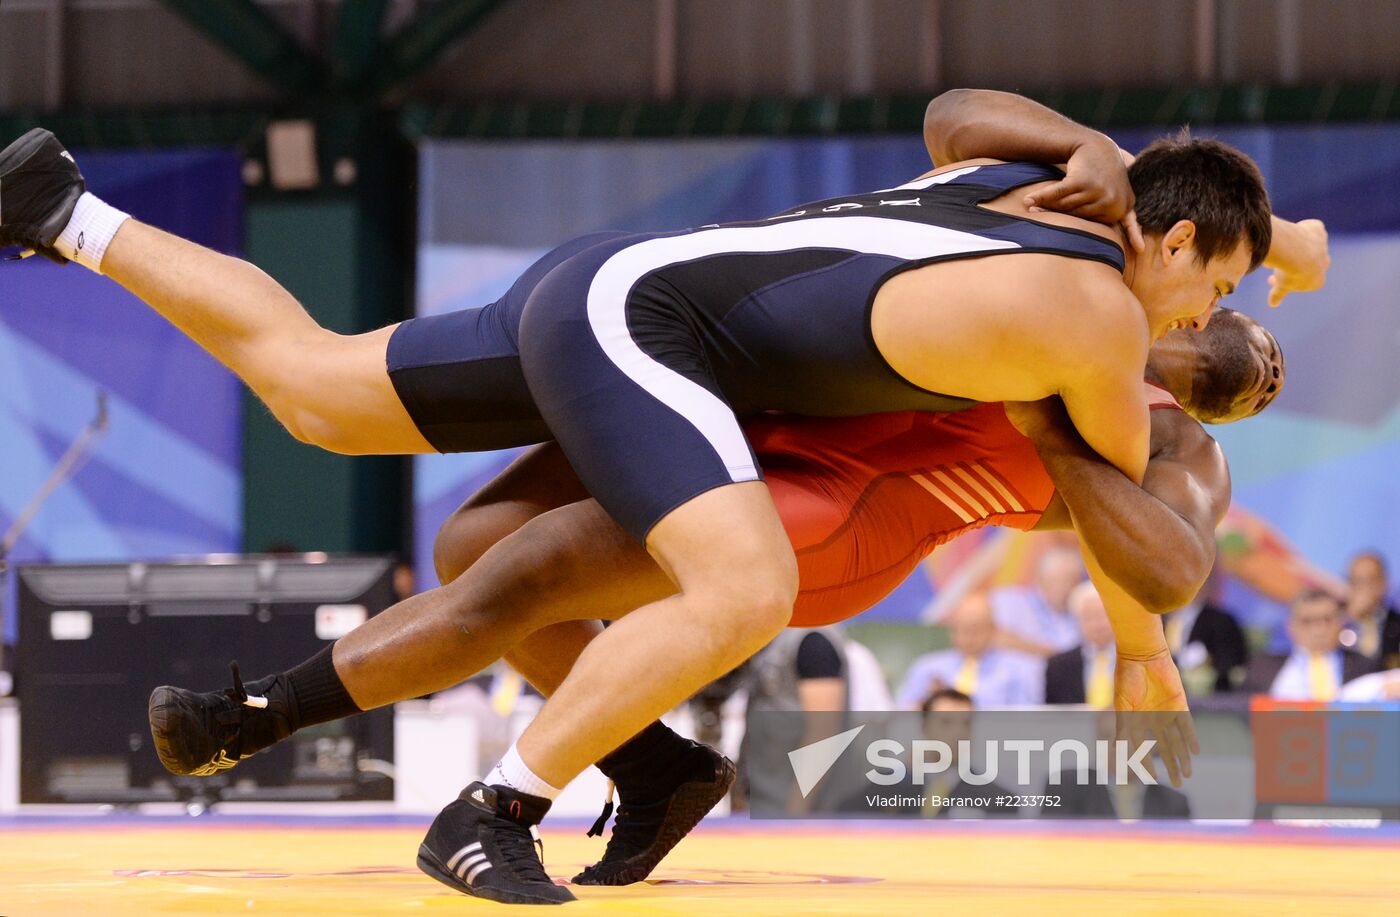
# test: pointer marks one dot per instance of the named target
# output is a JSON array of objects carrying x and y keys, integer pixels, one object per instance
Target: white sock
[
  {"x": 514, "y": 773},
  {"x": 90, "y": 231}
]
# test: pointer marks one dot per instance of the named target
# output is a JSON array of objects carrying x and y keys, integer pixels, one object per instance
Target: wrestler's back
[
  {"x": 784, "y": 306},
  {"x": 997, "y": 325}
]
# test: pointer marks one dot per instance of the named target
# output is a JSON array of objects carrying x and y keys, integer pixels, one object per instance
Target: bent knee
[
  {"x": 538, "y": 570},
  {"x": 749, "y": 609},
  {"x": 469, "y": 533}
]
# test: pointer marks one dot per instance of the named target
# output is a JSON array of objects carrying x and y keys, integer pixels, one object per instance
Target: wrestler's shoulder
[{"x": 1178, "y": 437}]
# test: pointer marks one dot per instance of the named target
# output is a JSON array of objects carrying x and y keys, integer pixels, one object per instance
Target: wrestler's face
[
  {"x": 1266, "y": 365},
  {"x": 1176, "y": 287},
  {"x": 1231, "y": 370}
]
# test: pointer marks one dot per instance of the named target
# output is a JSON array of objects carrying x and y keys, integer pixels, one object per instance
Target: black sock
[
  {"x": 318, "y": 694},
  {"x": 647, "y": 765}
]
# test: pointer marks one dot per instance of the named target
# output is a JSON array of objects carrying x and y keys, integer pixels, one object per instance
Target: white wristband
[{"x": 89, "y": 231}]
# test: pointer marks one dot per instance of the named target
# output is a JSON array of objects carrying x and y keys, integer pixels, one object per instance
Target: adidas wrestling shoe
[
  {"x": 198, "y": 735},
  {"x": 644, "y": 834},
  {"x": 484, "y": 844},
  {"x": 39, "y": 186}
]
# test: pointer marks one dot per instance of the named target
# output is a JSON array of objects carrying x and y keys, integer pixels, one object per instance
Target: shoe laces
[
  {"x": 634, "y": 830},
  {"x": 240, "y": 693},
  {"x": 522, "y": 850}
]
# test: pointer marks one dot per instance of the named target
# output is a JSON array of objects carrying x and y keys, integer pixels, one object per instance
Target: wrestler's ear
[{"x": 1177, "y": 241}]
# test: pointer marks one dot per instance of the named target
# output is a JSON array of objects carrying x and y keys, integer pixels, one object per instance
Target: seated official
[
  {"x": 1036, "y": 619},
  {"x": 1203, "y": 633},
  {"x": 1318, "y": 665},
  {"x": 1084, "y": 675},
  {"x": 947, "y": 717},
  {"x": 1373, "y": 624},
  {"x": 991, "y": 677}
]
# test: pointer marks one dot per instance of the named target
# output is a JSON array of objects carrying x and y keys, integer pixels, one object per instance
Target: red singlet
[{"x": 865, "y": 499}]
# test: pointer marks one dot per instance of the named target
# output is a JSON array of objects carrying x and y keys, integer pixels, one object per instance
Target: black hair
[
  {"x": 952, "y": 694},
  {"x": 1210, "y": 183}
]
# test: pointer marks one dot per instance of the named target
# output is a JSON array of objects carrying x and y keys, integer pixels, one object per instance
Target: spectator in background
[
  {"x": 405, "y": 580},
  {"x": 948, "y": 719},
  {"x": 1035, "y": 619},
  {"x": 1318, "y": 665},
  {"x": 1084, "y": 675},
  {"x": 1203, "y": 633},
  {"x": 991, "y": 677},
  {"x": 814, "y": 671},
  {"x": 1373, "y": 624}
]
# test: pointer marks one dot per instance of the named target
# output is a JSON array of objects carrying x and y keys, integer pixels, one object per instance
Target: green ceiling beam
[
  {"x": 356, "y": 41},
  {"x": 250, "y": 34},
  {"x": 417, "y": 45}
]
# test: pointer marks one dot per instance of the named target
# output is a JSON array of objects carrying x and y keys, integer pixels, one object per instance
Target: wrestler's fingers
[
  {"x": 1133, "y": 229},
  {"x": 1137, "y": 736},
  {"x": 1187, "y": 725},
  {"x": 1181, "y": 747},
  {"x": 1052, "y": 196},
  {"x": 1168, "y": 749},
  {"x": 1085, "y": 203}
]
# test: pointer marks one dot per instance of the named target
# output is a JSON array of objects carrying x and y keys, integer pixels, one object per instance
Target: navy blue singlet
[{"x": 636, "y": 351}]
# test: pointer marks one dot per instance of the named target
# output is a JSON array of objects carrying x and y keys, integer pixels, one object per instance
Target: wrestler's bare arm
[
  {"x": 969, "y": 123},
  {"x": 1021, "y": 328},
  {"x": 1158, "y": 540}
]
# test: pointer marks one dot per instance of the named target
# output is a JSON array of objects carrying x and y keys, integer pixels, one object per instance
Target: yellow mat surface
[{"x": 212, "y": 868}]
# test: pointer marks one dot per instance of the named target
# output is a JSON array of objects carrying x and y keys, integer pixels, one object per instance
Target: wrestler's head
[
  {"x": 1206, "y": 220},
  {"x": 1229, "y": 371}
]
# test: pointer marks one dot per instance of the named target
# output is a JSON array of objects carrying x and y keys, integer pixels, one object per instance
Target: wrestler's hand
[
  {"x": 1151, "y": 704},
  {"x": 1299, "y": 257},
  {"x": 1095, "y": 187}
]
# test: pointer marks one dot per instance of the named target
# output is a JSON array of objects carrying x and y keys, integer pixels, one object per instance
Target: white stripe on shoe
[
  {"x": 462, "y": 854},
  {"x": 469, "y": 862}
]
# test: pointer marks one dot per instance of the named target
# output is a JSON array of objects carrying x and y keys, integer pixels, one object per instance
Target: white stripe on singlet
[{"x": 612, "y": 285}]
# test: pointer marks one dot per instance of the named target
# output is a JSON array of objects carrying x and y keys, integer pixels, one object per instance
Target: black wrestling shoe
[
  {"x": 198, "y": 735},
  {"x": 644, "y": 834},
  {"x": 39, "y": 186},
  {"x": 484, "y": 844}
]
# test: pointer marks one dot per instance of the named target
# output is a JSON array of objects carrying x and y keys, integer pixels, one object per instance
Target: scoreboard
[{"x": 1326, "y": 755}]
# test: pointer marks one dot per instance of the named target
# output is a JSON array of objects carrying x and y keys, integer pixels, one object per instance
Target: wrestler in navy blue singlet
[{"x": 637, "y": 351}]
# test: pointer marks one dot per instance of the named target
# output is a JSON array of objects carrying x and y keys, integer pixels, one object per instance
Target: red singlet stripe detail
[
  {"x": 933, "y": 487},
  {"x": 982, "y": 487},
  {"x": 995, "y": 477},
  {"x": 942, "y": 474}
]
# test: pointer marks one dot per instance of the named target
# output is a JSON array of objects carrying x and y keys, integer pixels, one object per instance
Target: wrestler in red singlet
[{"x": 865, "y": 499}]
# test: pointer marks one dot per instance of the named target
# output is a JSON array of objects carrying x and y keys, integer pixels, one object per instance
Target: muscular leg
[
  {"x": 327, "y": 389},
  {"x": 546, "y": 657},
  {"x": 731, "y": 558},
  {"x": 571, "y": 562},
  {"x": 540, "y": 480}
]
